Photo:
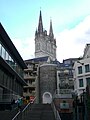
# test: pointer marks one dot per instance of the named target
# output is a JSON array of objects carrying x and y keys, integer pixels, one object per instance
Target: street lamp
[
  {"x": 75, "y": 105},
  {"x": 84, "y": 105},
  {"x": 83, "y": 100}
]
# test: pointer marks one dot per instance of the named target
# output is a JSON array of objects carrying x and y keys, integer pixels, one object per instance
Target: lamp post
[
  {"x": 75, "y": 105},
  {"x": 85, "y": 105},
  {"x": 84, "y": 99}
]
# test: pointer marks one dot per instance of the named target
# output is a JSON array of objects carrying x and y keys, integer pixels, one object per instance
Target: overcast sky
[{"x": 70, "y": 19}]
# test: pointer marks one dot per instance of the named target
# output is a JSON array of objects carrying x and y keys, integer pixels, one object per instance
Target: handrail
[
  {"x": 16, "y": 115},
  {"x": 26, "y": 107},
  {"x": 29, "y": 104},
  {"x": 56, "y": 113},
  {"x": 20, "y": 112},
  {"x": 24, "y": 111}
]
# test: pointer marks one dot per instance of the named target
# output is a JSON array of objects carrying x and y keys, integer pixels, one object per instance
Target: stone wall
[{"x": 47, "y": 80}]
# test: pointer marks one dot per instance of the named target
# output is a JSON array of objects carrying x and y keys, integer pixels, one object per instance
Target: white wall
[{"x": 83, "y": 76}]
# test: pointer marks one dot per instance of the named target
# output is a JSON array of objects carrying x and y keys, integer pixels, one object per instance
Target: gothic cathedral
[{"x": 45, "y": 45}]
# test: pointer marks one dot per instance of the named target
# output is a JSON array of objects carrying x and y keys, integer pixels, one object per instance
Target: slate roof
[{"x": 39, "y": 59}]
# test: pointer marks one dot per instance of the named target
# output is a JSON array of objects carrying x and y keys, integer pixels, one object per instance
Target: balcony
[
  {"x": 29, "y": 77},
  {"x": 33, "y": 93},
  {"x": 29, "y": 69},
  {"x": 32, "y": 85},
  {"x": 63, "y": 93}
]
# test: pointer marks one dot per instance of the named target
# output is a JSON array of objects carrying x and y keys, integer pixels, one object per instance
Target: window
[
  {"x": 87, "y": 69},
  {"x": 80, "y": 82},
  {"x": 80, "y": 70},
  {"x": 3, "y": 53},
  {"x": 7, "y": 56},
  {"x": 37, "y": 46},
  {"x": 67, "y": 62},
  {"x": 88, "y": 80},
  {"x": 0, "y": 49}
]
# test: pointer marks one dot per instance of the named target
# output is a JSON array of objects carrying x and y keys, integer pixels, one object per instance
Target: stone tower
[
  {"x": 45, "y": 45},
  {"x": 47, "y": 82}
]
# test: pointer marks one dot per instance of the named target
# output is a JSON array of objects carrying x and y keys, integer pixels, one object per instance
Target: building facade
[
  {"x": 11, "y": 69},
  {"x": 65, "y": 74},
  {"x": 45, "y": 45},
  {"x": 31, "y": 78},
  {"x": 63, "y": 96},
  {"x": 82, "y": 72}
]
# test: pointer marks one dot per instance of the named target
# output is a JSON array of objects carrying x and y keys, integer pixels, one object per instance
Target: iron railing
[
  {"x": 56, "y": 113},
  {"x": 22, "y": 114}
]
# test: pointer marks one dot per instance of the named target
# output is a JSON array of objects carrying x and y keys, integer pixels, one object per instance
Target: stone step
[{"x": 40, "y": 112}]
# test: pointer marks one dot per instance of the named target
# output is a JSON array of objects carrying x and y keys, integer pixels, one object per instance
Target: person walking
[{"x": 20, "y": 103}]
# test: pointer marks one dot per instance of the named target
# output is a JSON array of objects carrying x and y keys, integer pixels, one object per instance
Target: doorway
[{"x": 47, "y": 98}]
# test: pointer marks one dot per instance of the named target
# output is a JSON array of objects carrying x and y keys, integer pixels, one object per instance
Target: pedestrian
[{"x": 19, "y": 104}]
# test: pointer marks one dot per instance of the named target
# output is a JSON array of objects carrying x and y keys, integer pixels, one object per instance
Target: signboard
[{"x": 64, "y": 105}]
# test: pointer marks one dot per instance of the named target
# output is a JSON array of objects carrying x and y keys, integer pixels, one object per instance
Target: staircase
[
  {"x": 7, "y": 114},
  {"x": 40, "y": 112}
]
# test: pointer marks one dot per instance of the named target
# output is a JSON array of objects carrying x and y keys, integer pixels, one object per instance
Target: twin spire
[
  {"x": 51, "y": 30},
  {"x": 40, "y": 26}
]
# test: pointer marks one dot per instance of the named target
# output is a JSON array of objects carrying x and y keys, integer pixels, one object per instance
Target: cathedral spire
[
  {"x": 36, "y": 32},
  {"x": 51, "y": 30},
  {"x": 40, "y": 25}
]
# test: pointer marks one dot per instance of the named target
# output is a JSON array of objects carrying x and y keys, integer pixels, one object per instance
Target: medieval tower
[
  {"x": 43, "y": 83},
  {"x": 45, "y": 45}
]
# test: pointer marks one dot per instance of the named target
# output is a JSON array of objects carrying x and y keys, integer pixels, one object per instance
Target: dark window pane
[
  {"x": 87, "y": 69},
  {"x": 80, "y": 70},
  {"x": 80, "y": 82}
]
